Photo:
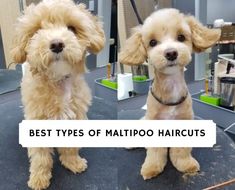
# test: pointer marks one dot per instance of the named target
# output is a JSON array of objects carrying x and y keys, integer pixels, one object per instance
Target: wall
[
  {"x": 220, "y": 9},
  {"x": 104, "y": 12},
  {"x": 187, "y": 7},
  {"x": 9, "y": 11},
  {"x": 91, "y": 59}
]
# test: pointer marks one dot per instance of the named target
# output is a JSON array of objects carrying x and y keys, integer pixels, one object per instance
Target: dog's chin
[
  {"x": 57, "y": 57},
  {"x": 60, "y": 69},
  {"x": 171, "y": 68},
  {"x": 171, "y": 64}
]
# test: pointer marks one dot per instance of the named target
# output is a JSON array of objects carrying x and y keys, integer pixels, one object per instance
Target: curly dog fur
[
  {"x": 167, "y": 38},
  {"x": 53, "y": 38}
]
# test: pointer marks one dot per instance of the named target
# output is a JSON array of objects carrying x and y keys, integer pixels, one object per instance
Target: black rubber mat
[
  {"x": 217, "y": 165},
  {"x": 102, "y": 172},
  {"x": 9, "y": 80},
  {"x": 108, "y": 168}
]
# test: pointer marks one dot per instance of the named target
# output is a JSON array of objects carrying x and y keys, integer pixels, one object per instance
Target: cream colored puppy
[
  {"x": 53, "y": 38},
  {"x": 166, "y": 39}
]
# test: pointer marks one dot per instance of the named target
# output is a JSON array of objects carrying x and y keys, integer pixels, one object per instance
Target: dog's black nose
[
  {"x": 171, "y": 54},
  {"x": 57, "y": 46}
]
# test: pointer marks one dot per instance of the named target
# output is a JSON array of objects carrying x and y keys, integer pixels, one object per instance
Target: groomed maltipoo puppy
[
  {"x": 53, "y": 38},
  {"x": 166, "y": 40}
]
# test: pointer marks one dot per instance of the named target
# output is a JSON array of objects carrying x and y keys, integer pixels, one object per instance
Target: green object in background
[
  {"x": 109, "y": 83},
  {"x": 210, "y": 99},
  {"x": 140, "y": 78}
]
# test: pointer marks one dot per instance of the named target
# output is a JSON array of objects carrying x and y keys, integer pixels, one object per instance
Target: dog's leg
[
  {"x": 155, "y": 161},
  {"x": 183, "y": 161},
  {"x": 40, "y": 167},
  {"x": 71, "y": 160}
]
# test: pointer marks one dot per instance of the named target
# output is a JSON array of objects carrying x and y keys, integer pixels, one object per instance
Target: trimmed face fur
[
  {"x": 167, "y": 38},
  {"x": 54, "y": 37}
]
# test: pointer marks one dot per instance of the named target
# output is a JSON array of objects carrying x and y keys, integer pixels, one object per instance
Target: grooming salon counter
[{"x": 222, "y": 117}]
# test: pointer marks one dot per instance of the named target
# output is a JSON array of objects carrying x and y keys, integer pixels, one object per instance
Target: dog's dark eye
[
  {"x": 153, "y": 43},
  {"x": 72, "y": 29},
  {"x": 181, "y": 38}
]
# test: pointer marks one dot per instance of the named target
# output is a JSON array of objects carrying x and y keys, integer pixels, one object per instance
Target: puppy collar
[{"x": 181, "y": 100}]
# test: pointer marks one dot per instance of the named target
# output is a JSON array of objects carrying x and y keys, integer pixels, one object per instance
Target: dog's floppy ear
[
  {"x": 202, "y": 37},
  {"x": 93, "y": 31},
  {"x": 25, "y": 27},
  {"x": 133, "y": 52}
]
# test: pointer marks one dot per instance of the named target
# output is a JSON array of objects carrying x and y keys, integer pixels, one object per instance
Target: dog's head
[
  {"x": 54, "y": 36},
  {"x": 167, "y": 38}
]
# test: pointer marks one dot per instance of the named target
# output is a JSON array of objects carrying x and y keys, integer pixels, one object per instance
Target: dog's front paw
[
  {"x": 149, "y": 171},
  {"x": 76, "y": 165},
  {"x": 39, "y": 181},
  {"x": 186, "y": 165}
]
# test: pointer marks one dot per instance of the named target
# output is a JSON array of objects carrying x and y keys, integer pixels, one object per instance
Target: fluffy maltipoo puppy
[
  {"x": 53, "y": 38},
  {"x": 166, "y": 39}
]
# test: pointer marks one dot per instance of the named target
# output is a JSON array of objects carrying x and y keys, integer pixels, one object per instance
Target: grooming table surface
[
  {"x": 102, "y": 173},
  {"x": 108, "y": 168},
  {"x": 217, "y": 165},
  {"x": 9, "y": 80}
]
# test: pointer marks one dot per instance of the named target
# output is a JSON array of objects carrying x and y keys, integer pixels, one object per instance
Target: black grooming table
[
  {"x": 9, "y": 80},
  {"x": 217, "y": 165},
  {"x": 108, "y": 168},
  {"x": 102, "y": 170}
]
